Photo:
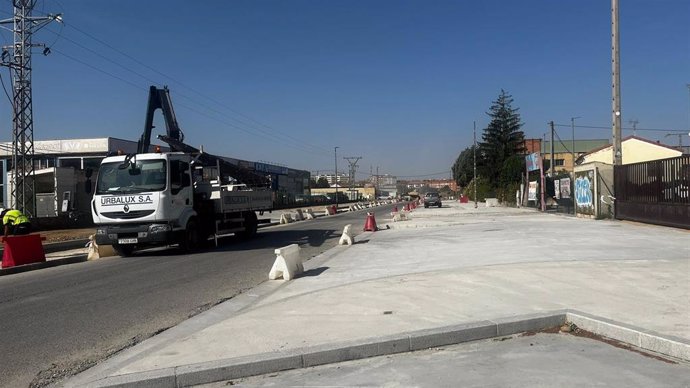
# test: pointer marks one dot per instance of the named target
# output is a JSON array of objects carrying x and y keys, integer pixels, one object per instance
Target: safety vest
[{"x": 14, "y": 217}]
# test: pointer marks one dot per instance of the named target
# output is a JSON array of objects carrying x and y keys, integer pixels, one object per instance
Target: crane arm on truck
[
  {"x": 159, "y": 99},
  {"x": 241, "y": 174}
]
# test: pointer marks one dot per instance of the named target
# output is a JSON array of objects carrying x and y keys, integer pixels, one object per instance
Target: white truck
[{"x": 182, "y": 197}]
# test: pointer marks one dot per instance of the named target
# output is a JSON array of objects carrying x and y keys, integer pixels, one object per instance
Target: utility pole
[
  {"x": 552, "y": 168},
  {"x": 680, "y": 139},
  {"x": 688, "y": 85},
  {"x": 474, "y": 152},
  {"x": 572, "y": 126},
  {"x": 18, "y": 59},
  {"x": 634, "y": 125},
  {"x": 616, "y": 86},
  {"x": 336, "y": 179},
  {"x": 352, "y": 160}
]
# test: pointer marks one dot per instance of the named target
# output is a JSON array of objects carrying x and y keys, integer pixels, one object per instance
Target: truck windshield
[{"x": 144, "y": 175}]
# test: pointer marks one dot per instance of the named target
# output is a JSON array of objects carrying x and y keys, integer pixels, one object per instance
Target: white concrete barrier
[
  {"x": 96, "y": 251},
  {"x": 299, "y": 216},
  {"x": 285, "y": 218},
  {"x": 401, "y": 216},
  {"x": 287, "y": 264},
  {"x": 491, "y": 202},
  {"x": 310, "y": 214},
  {"x": 351, "y": 208},
  {"x": 346, "y": 238}
]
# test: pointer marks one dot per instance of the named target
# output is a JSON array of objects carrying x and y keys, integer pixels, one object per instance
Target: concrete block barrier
[
  {"x": 288, "y": 263},
  {"x": 401, "y": 216},
  {"x": 346, "y": 238},
  {"x": 285, "y": 218},
  {"x": 299, "y": 216},
  {"x": 310, "y": 214},
  {"x": 491, "y": 202},
  {"x": 95, "y": 251}
]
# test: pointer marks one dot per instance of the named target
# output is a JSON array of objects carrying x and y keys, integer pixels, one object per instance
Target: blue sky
[{"x": 396, "y": 82}]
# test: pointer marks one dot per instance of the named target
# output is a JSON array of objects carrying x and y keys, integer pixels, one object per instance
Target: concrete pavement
[{"x": 449, "y": 274}]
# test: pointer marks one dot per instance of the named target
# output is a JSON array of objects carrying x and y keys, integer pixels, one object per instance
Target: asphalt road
[{"x": 58, "y": 321}]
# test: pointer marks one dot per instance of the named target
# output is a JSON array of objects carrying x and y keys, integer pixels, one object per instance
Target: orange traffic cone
[{"x": 370, "y": 224}]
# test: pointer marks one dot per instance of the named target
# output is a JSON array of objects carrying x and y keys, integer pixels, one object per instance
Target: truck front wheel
[
  {"x": 190, "y": 239},
  {"x": 123, "y": 250}
]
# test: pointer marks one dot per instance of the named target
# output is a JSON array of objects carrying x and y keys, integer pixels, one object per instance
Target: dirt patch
[
  {"x": 571, "y": 329},
  {"x": 67, "y": 235},
  {"x": 53, "y": 236}
]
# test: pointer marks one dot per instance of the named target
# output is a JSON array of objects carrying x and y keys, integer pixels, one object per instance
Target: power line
[
  {"x": 626, "y": 128},
  {"x": 300, "y": 145},
  {"x": 254, "y": 123}
]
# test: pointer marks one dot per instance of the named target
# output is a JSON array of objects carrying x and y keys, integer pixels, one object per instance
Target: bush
[
  {"x": 483, "y": 190},
  {"x": 506, "y": 194}
]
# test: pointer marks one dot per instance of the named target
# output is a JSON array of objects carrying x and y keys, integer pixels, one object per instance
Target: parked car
[{"x": 432, "y": 199}]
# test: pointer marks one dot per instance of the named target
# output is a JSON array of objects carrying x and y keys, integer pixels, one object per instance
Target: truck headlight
[
  {"x": 101, "y": 231},
  {"x": 158, "y": 228}
]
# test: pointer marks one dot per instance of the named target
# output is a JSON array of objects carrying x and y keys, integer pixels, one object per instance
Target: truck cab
[{"x": 142, "y": 199}]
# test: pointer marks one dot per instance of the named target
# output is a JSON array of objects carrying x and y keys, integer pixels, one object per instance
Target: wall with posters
[{"x": 593, "y": 190}]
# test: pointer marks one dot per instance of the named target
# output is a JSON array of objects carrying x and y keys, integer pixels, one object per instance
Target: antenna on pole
[{"x": 18, "y": 59}]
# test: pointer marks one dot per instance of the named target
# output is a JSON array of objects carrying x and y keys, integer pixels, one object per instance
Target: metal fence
[{"x": 656, "y": 192}]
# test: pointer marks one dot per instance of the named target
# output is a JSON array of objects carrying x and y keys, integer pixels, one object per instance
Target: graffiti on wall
[{"x": 584, "y": 191}]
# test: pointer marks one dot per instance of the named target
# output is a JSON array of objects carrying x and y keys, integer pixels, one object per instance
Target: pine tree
[
  {"x": 502, "y": 138},
  {"x": 463, "y": 168}
]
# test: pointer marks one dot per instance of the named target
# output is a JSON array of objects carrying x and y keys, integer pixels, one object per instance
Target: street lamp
[{"x": 335, "y": 178}]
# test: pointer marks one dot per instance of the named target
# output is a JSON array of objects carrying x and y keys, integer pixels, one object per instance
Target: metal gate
[{"x": 655, "y": 192}]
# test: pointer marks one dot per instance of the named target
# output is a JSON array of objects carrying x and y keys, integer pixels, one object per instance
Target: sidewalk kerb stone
[
  {"x": 233, "y": 368},
  {"x": 530, "y": 322},
  {"x": 448, "y": 335},
  {"x": 159, "y": 378},
  {"x": 641, "y": 338},
  {"x": 258, "y": 364}
]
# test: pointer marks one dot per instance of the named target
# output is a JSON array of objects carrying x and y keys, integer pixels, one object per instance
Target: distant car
[{"x": 432, "y": 199}]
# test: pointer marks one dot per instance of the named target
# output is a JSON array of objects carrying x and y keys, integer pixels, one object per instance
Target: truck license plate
[{"x": 127, "y": 241}]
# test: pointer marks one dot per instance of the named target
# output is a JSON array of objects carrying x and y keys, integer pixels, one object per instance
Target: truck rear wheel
[
  {"x": 250, "y": 225},
  {"x": 123, "y": 250}
]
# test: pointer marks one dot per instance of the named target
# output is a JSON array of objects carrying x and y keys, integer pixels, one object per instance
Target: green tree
[
  {"x": 483, "y": 189},
  {"x": 312, "y": 183},
  {"x": 502, "y": 138},
  {"x": 322, "y": 183},
  {"x": 512, "y": 170},
  {"x": 463, "y": 168}
]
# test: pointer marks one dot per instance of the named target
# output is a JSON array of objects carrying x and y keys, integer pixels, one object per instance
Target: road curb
[
  {"x": 44, "y": 264},
  {"x": 240, "y": 367}
]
